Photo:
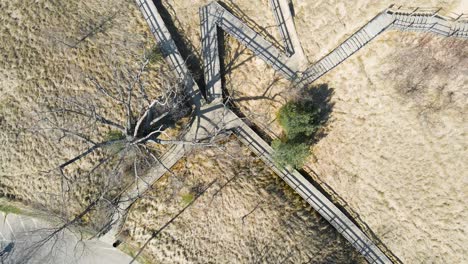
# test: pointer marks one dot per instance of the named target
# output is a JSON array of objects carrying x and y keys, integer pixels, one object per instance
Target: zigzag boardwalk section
[
  {"x": 429, "y": 20},
  {"x": 213, "y": 16}
]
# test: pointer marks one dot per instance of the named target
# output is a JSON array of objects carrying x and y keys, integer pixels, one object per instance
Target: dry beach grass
[
  {"x": 397, "y": 135},
  {"x": 396, "y": 146},
  {"x": 394, "y": 149},
  {"x": 38, "y": 63},
  {"x": 248, "y": 215}
]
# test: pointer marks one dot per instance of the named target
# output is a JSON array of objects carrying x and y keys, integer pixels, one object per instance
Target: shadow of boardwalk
[
  {"x": 234, "y": 9},
  {"x": 314, "y": 178},
  {"x": 186, "y": 49}
]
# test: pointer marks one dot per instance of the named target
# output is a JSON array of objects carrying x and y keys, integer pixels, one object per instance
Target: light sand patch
[{"x": 396, "y": 146}]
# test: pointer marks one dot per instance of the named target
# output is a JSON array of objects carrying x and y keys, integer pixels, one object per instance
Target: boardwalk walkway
[
  {"x": 281, "y": 20},
  {"x": 212, "y": 116},
  {"x": 169, "y": 49},
  {"x": 403, "y": 19},
  {"x": 314, "y": 197},
  {"x": 285, "y": 23},
  {"x": 209, "y": 120},
  {"x": 213, "y": 16}
]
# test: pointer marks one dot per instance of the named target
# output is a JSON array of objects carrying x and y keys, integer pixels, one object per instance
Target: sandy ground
[
  {"x": 397, "y": 144},
  {"x": 397, "y": 135},
  {"x": 37, "y": 62},
  {"x": 321, "y": 25},
  {"x": 248, "y": 215}
]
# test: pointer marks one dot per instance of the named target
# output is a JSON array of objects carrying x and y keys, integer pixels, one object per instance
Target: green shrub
[
  {"x": 114, "y": 135},
  {"x": 287, "y": 153},
  {"x": 155, "y": 55},
  {"x": 300, "y": 121},
  {"x": 187, "y": 198}
]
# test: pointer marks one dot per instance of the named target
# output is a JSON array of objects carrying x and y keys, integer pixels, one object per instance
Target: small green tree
[
  {"x": 300, "y": 121},
  {"x": 287, "y": 153}
]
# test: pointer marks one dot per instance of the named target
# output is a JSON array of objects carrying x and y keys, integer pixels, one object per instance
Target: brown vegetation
[
  {"x": 247, "y": 215},
  {"x": 49, "y": 50}
]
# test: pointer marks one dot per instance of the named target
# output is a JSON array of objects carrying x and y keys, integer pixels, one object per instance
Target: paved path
[
  {"x": 18, "y": 233},
  {"x": 212, "y": 116}
]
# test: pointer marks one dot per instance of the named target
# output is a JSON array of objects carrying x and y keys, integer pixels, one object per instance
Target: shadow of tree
[
  {"x": 267, "y": 94},
  {"x": 319, "y": 96}
]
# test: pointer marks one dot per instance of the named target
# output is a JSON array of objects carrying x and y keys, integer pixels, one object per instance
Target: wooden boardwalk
[
  {"x": 169, "y": 49},
  {"x": 212, "y": 116},
  {"x": 402, "y": 19},
  {"x": 326, "y": 208},
  {"x": 213, "y": 16}
]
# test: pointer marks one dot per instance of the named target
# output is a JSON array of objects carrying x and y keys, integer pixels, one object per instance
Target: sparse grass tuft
[
  {"x": 114, "y": 135},
  {"x": 155, "y": 55},
  {"x": 187, "y": 198},
  {"x": 10, "y": 209},
  {"x": 132, "y": 251}
]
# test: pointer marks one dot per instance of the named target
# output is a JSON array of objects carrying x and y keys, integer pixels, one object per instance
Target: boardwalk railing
[
  {"x": 404, "y": 19},
  {"x": 213, "y": 16},
  {"x": 350, "y": 46},
  {"x": 169, "y": 48},
  {"x": 429, "y": 21},
  {"x": 283, "y": 29},
  {"x": 314, "y": 197},
  {"x": 439, "y": 12}
]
